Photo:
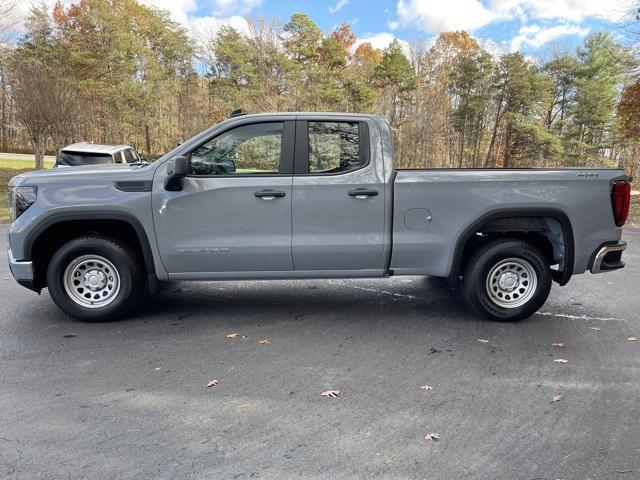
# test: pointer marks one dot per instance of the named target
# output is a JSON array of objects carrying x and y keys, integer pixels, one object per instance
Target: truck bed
[{"x": 433, "y": 209}]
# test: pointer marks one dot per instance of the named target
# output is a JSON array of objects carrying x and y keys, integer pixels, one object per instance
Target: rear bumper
[
  {"x": 608, "y": 257},
  {"x": 21, "y": 270}
]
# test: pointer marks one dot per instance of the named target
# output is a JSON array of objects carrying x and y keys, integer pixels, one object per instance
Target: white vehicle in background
[{"x": 86, "y": 153}]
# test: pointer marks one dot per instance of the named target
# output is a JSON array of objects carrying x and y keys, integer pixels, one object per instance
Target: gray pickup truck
[{"x": 309, "y": 195}]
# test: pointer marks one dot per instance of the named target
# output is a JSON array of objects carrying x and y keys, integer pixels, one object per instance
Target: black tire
[
  {"x": 511, "y": 265},
  {"x": 124, "y": 265}
]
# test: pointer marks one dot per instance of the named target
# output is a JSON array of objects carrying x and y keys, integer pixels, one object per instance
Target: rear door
[{"x": 338, "y": 197}]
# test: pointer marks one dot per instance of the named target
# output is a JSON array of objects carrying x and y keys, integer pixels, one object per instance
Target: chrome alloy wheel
[
  {"x": 511, "y": 282},
  {"x": 91, "y": 281}
]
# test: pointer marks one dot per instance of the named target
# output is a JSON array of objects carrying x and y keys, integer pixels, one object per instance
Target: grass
[{"x": 18, "y": 164}]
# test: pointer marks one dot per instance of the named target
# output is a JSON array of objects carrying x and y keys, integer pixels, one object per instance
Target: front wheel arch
[{"x": 49, "y": 235}]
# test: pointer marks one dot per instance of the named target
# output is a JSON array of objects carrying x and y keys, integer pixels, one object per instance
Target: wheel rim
[
  {"x": 511, "y": 282},
  {"x": 91, "y": 281}
]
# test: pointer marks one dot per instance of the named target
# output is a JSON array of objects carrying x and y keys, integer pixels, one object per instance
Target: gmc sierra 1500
[{"x": 309, "y": 195}]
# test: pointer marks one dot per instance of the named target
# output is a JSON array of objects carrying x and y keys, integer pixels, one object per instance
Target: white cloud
[
  {"x": 438, "y": 15},
  {"x": 179, "y": 9},
  {"x": 338, "y": 6},
  {"x": 569, "y": 10},
  {"x": 536, "y": 36},
  {"x": 203, "y": 28},
  {"x": 183, "y": 10},
  {"x": 234, "y": 7},
  {"x": 382, "y": 40}
]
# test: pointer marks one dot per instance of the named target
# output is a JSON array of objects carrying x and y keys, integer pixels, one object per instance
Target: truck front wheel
[
  {"x": 507, "y": 280},
  {"x": 94, "y": 278}
]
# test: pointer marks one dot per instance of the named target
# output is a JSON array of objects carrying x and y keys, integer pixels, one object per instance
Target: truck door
[
  {"x": 234, "y": 211},
  {"x": 338, "y": 197}
]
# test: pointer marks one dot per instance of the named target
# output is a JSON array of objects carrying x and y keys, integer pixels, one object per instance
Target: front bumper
[
  {"x": 22, "y": 271},
  {"x": 608, "y": 257}
]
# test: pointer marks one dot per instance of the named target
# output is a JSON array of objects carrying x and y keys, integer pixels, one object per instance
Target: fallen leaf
[
  {"x": 482, "y": 340},
  {"x": 331, "y": 393},
  {"x": 264, "y": 341},
  {"x": 69, "y": 335},
  {"x": 559, "y": 344},
  {"x": 557, "y": 398},
  {"x": 595, "y": 329},
  {"x": 388, "y": 461},
  {"x": 426, "y": 388},
  {"x": 212, "y": 383},
  {"x": 561, "y": 360},
  {"x": 232, "y": 335},
  {"x": 432, "y": 436},
  {"x": 158, "y": 369},
  {"x": 632, "y": 339}
]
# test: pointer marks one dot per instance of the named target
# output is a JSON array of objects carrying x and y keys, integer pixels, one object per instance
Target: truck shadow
[{"x": 280, "y": 300}]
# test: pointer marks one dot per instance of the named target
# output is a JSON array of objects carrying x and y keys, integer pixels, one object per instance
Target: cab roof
[{"x": 88, "y": 147}]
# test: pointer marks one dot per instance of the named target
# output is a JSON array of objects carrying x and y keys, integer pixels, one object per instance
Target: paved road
[{"x": 128, "y": 400}]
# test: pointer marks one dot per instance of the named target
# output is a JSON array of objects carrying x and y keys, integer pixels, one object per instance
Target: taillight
[{"x": 620, "y": 200}]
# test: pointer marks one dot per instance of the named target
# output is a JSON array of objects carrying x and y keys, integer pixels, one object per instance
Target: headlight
[{"x": 21, "y": 198}]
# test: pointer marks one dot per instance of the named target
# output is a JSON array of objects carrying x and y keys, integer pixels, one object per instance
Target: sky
[{"x": 506, "y": 25}]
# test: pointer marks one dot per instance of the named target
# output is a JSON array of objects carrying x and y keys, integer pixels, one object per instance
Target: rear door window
[{"x": 334, "y": 147}]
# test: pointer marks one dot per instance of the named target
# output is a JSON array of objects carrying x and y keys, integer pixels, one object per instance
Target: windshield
[{"x": 74, "y": 159}]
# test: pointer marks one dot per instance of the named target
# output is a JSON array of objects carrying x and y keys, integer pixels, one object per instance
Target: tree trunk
[
  {"x": 495, "y": 128},
  {"x": 38, "y": 146},
  {"x": 507, "y": 147}
]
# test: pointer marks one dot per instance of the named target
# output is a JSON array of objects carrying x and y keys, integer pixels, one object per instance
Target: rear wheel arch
[
  {"x": 497, "y": 224},
  {"x": 51, "y": 234}
]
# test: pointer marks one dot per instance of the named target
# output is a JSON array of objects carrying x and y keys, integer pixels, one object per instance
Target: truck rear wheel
[
  {"x": 94, "y": 278},
  {"x": 507, "y": 280}
]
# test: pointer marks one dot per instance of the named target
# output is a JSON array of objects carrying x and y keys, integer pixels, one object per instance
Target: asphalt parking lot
[{"x": 128, "y": 400}]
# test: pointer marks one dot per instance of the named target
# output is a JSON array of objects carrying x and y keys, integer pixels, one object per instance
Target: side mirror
[{"x": 177, "y": 169}]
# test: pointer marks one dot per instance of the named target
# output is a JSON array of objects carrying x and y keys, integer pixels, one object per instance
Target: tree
[
  {"x": 394, "y": 75},
  {"x": 470, "y": 85},
  {"x": 629, "y": 119},
  {"x": 601, "y": 65},
  {"x": 562, "y": 69},
  {"x": 45, "y": 102}
]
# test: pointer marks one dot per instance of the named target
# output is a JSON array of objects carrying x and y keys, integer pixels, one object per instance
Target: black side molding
[{"x": 134, "y": 185}]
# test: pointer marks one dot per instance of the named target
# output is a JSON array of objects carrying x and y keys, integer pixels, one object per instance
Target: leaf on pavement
[
  {"x": 632, "y": 339},
  {"x": 426, "y": 388},
  {"x": 432, "y": 436},
  {"x": 331, "y": 393},
  {"x": 557, "y": 398},
  {"x": 559, "y": 344},
  {"x": 212, "y": 383},
  {"x": 232, "y": 335},
  {"x": 264, "y": 341},
  {"x": 69, "y": 335},
  {"x": 483, "y": 340},
  {"x": 561, "y": 360},
  {"x": 595, "y": 329}
]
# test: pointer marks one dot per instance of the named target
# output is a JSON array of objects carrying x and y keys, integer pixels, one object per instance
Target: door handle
[
  {"x": 362, "y": 193},
  {"x": 269, "y": 194}
]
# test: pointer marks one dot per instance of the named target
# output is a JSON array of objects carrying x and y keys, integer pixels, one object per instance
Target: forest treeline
[{"x": 116, "y": 71}]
